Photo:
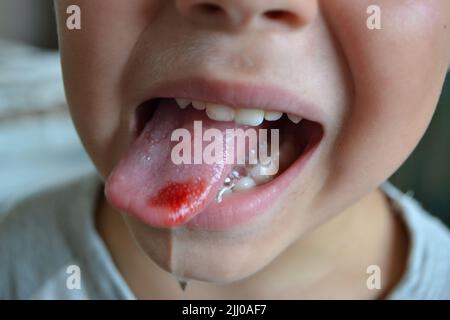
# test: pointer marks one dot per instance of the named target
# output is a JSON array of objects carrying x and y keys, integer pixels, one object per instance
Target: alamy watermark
[
  {"x": 73, "y": 280},
  {"x": 373, "y": 21},
  {"x": 237, "y": 146},
  {"x": 374, "y": 280},
  {"x": 73, "y": 21}
]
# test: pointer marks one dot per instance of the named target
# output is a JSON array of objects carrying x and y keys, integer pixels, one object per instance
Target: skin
[{"x": 378, "y": 90}]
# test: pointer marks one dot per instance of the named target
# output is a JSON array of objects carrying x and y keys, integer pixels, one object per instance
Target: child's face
[{"x": 371, "y": 94}]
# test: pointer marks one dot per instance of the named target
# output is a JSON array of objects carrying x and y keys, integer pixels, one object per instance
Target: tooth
[
  {"x": 183, "y": 103},
  {"x": 272, "y": 115},
  {"x": 219, "y": 112},
  {"x": 294, "y": 118},
  {"x": 259, "y": 176},
  {"x": 244, "y": 183},
  {"x": 199, "y": 105},
  {"x": 267, "y": 171},
  {"x": 250, "y": 117}
]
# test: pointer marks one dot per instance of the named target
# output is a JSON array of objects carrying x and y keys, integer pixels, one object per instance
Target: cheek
[
  {"x": 397, "y": 76},
  {"x": 93, "y": 60}
]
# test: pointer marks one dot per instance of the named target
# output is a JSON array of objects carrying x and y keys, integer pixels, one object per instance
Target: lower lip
[{"x": 243, "y": 208}]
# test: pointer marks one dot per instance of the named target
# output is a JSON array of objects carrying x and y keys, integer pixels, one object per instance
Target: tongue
[{"x": 148, "y": 184}]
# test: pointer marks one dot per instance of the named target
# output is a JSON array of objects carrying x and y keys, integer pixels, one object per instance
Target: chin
[{"x": 216, "y": 257}]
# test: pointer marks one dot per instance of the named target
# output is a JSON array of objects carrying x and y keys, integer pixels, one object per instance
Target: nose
[{"x": 249, "y": 14}]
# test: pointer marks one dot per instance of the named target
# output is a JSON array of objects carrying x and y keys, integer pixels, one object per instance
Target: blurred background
[{"x": 39, "y": 147}]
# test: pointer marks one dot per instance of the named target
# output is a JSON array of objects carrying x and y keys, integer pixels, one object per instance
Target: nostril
[
  {"x": 238, "y": 14},
  {"x": 207, "y": 14},
  {"x": 283, "y": 16},
  {"x": 208, "y": 8}
]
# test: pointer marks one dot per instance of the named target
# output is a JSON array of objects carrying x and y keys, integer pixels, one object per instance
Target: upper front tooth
[
  {"x": 294, "y": 118},
  {"x": 219, "y": 112},
  {"x": 250, "y": 117},
  {"x": 199, "y": 105},
  {"x": 272, "y": 115},
  {"x": 183, "y": 103}
]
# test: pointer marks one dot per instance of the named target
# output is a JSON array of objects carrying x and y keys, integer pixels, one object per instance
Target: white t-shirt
[{"x": 49, "y": 239}]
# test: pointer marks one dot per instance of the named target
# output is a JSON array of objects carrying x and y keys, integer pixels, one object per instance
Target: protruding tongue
[{"x": 147, "y": 183}]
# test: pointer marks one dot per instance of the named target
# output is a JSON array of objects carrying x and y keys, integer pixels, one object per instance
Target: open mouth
[
  {"x": 296, "y": 134},
  {"x": 148, "y": 185}
]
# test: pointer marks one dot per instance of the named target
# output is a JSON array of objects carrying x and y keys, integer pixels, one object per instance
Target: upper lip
[{"x": 236, "y": 95}]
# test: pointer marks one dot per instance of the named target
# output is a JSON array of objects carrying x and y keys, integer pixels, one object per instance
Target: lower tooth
[
  {"x": 259, "y": 174},
  {"x": 250, "y": 176},
  {"x": 244, "y": 183}
]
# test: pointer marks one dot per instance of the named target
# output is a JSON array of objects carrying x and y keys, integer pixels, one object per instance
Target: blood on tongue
[{"x": 179, "y": 198}]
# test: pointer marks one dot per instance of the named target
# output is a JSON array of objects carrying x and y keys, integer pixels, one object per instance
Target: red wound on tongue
[
  {"x": 180, "y": 198},
  {"x": 148, "y": 185}
]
